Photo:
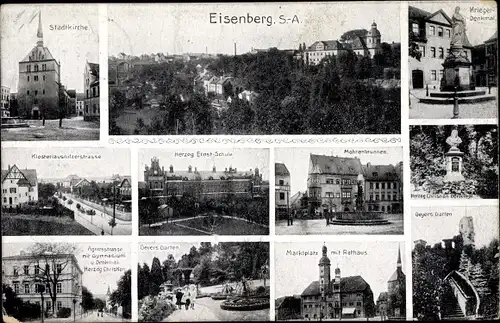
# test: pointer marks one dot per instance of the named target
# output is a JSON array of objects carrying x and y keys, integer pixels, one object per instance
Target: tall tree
[
  {"x": 122, "y": 295},
  {"x": 156, "y": 277}
]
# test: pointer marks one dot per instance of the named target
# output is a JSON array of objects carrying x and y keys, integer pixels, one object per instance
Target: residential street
[{"x": 98, "y": 222}]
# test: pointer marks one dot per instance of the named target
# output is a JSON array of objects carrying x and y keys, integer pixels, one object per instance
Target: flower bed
[{"x": 245, "y": 304}]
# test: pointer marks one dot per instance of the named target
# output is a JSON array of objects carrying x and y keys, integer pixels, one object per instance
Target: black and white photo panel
[{"x": 66, "y": 191}]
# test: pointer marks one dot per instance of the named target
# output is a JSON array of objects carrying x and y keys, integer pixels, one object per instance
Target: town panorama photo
[{"x": 242, "y": 73}]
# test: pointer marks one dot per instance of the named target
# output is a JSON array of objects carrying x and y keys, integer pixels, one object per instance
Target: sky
[
  {"x": 180, "y": 28},
  {"x": 294, "y": 273},
  {"x": 96, "y": 282},
  {"x": 241, "y": 159},
  {"x": 477, "y": 31},
  {"x": 71, "y": 47},
  {"x": 112, "y": 161},
  {"x": 484, "y": 219},
  {"x": 297, "y": 160}
]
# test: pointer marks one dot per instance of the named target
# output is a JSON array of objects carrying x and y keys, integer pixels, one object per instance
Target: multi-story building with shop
[
  {"x": 383, "y": 188},
  {"x": 5, "y": 101},
  {"x": 26, "y": 273},
  {"x": 334, "y": 183}
]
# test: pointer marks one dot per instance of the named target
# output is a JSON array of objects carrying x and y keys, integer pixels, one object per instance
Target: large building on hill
[
  {"x": 337, "y": 298},
  {"x": 19, "y": 186},
  {"x": 24, "y": 272},
  {"x": 203, "y": 184},
  {"x": 431, "y": 31},
  {"x": 334, "y": 182},
  {"x": 363, "y": 42},
  {"x": 39, "y": 87}
]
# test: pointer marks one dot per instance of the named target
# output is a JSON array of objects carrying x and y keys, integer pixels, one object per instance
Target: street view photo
[
  {"x": 339, "y": 190},
  {"x": 453, "y": 60},
  {"x": 66, "y": 191},
  {"x": 50, "y": 282},
  {"x": 455, "y": 267},
  {"x": 346, "y": 281},
  {"x": 50, "y": 72},
  {"x": 188, "y": 282},
  {"x": 254, "y": 69},
  {"x": 204, "y": 192}
]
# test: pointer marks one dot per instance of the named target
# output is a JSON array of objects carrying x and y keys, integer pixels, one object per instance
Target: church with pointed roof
[
  {"x": 39, "y": 87},
  {"x": 337, "y": 298},
  {"x": 392, "y": 304}
]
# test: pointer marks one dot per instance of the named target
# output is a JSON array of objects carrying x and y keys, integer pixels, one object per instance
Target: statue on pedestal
[
  {"x": 454, "y": 158},
  {"x": 458, "y": 26},
  {"x": 454, "y": 140}
]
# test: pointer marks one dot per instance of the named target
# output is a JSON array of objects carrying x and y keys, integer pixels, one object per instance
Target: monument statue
[
  {"x": 458, "y": 29},
  {"x": 454, "y": 140},
  {"x": 453, "y": 158},
  {"x": 466, "y": 229}
]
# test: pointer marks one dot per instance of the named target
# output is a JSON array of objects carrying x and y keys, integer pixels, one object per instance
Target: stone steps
[
  {"x": 460, "y": 94},
  {"x": 461, "y": 100}
]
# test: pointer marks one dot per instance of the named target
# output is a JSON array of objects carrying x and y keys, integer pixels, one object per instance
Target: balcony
[{"x": 282, "y": 188}]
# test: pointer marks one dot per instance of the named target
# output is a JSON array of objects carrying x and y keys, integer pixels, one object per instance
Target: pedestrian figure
[
  {"x": 102, "y": 232},
  {"x": 327, "y": 217},
  {"x": 185, "y": 297},
  {"x": 178, "y": 297}
]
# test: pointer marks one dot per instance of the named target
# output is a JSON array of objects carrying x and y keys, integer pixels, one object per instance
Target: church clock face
[{"x": 156, "y": 172}]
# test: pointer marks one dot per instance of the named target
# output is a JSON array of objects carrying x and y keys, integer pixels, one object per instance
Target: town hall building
[{"x": 337, "y": 298}]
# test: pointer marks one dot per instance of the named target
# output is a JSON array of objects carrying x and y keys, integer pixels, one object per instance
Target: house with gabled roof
[{"x": 19, "y": 186}]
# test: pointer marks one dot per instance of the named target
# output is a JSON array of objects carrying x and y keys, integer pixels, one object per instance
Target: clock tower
[{"x": 154, "y": 176}]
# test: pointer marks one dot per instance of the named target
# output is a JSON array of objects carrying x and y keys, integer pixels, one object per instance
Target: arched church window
[{"x": 455, "y": 164}]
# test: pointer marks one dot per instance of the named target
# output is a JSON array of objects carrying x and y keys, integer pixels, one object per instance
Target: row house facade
[
  {"x": 202, "y": 184},
  {"x": 282, "y": 189},
  {"x": 432, "y": 34},
  {"x": 383, "y": 187},
  {"x": 19, "y": 186},
  {"x": 5, "y": 101},
  {"x": 334, "y": 182},
  {"x": 26, "y": 272},
  {"x": 91, "y": 109}
]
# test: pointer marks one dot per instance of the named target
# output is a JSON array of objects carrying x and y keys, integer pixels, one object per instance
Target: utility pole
[{"x": 112, "y": 223}]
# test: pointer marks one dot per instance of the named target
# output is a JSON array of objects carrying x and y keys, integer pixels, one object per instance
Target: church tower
[
  {"x": 108, "y": 299},
  {"x": 324, "y": 272},
  {"x": 39, "y": 84},
  {"x": 373, "y": 40}
]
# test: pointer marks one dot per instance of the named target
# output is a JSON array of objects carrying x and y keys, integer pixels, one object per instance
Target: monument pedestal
[
  {"x": 457, "y": 71},
  {"x": 454, "y": 165}
]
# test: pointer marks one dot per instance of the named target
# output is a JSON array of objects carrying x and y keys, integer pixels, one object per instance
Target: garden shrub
[
  {"x": 154, "y": 309},
  {"x": 78, "y": 206}
]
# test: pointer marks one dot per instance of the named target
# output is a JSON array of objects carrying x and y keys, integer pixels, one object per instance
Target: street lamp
[{"x": 74, "y": 312}]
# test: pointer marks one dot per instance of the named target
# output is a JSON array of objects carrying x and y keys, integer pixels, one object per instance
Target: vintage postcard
[
  {"x": 88, "y": 282},
  {"x": 453, "y": 60},
  {"x": 340, "y": 281},
  {"x": 50, "y": 72},
  {"x": 225, "y": 281},
  {"x": 339, "y": 190},
  {"x": 66, "y": 191},
  {"x": 254, "y": 69}
]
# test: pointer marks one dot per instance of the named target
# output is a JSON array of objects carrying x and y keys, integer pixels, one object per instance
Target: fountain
[
  {"x": 458, "y": 79},
  {"x": 248, "y": 299},
  {"x": 359, "y": 216}
]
